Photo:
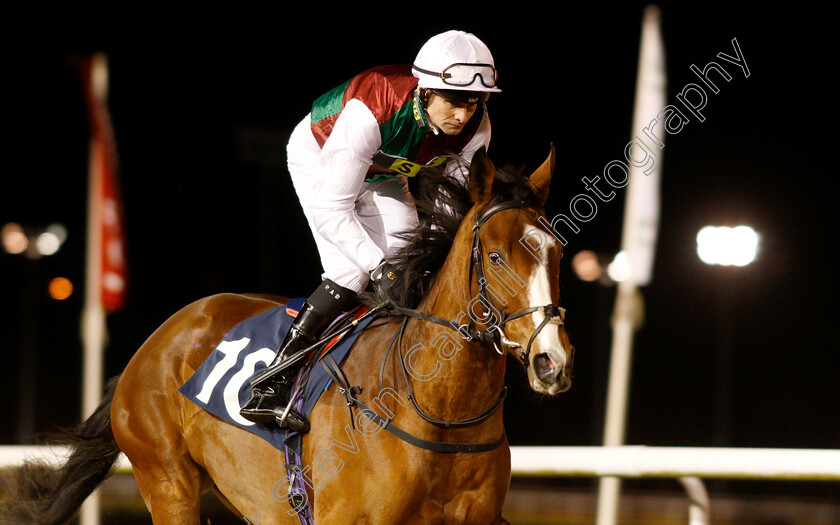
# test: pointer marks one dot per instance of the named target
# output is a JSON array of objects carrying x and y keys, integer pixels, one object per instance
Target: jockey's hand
[{"x": 383, "y": 278}]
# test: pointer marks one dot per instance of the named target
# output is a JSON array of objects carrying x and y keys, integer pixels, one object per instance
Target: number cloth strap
[{"x": 404, "y": 166}]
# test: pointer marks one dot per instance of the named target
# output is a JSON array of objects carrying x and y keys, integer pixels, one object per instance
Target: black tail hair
[{"x": 45, "y": 495}]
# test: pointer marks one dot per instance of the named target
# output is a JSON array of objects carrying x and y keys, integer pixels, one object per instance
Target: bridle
[
  {"x": 553, "y": 313},
  {"x": 495, "y": 334}
]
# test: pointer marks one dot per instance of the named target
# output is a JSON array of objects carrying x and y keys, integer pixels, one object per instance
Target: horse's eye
[{"x": 494, "y": 257}]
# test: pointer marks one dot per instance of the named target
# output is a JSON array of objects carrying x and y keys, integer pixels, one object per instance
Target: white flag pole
[
  {"x": 641, "y": 221},
  {"x": 94, "y": 327}
]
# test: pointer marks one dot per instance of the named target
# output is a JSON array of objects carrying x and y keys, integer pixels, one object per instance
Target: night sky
[{"x": 202, "y": 111}]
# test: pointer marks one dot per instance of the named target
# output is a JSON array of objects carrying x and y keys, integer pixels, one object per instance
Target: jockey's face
[{"x": 447, "y": 115}]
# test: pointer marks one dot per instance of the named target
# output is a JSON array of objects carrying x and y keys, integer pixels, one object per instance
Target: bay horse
[{"x": 440, "y": 359}]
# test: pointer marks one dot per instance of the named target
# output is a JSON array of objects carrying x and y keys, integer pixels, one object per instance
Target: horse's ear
[
  {"x": 541, "y": 178},
  {"x": 482, "y": 174}
]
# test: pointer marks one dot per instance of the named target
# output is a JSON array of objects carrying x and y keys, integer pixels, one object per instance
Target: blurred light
[
  {"x": 727, "y": 246},
  {"x": 60, "y": 288},
  {"x": 51, "y": 239},
  {"x": 586, "y": 266},
  {"x": 59, "y": 231},
  {"x": 47, "y": 243},
  {"x": 13, "y": 238},
  {"x": 619, "y": 269}
]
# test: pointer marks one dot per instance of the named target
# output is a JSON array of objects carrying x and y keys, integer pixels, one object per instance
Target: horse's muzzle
[{"x": 552, "y": 375}]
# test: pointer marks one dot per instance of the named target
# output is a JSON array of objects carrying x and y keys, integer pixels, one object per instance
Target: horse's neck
[{"x": 474, "y": 375}]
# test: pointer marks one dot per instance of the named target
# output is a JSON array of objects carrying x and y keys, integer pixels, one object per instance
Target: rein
[{"x": 411, "y": 397}]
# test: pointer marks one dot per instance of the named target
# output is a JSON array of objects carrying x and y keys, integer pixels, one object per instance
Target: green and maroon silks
[{"x": 390, "y": 93}]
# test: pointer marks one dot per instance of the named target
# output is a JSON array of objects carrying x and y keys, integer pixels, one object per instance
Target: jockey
[{"x": 348, "y": 161}]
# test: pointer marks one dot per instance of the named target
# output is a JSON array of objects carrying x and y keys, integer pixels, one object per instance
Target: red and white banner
[{"x": 106, "y": 234}]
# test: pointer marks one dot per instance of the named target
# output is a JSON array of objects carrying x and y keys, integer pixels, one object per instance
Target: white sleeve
[
  {"x": 343, "y": 163},
  {"x": 460, "y": 171}
]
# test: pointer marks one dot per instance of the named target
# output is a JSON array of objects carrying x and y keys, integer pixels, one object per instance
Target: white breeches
[{"x": 369, "y": 232}]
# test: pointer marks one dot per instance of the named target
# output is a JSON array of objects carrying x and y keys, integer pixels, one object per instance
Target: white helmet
[{"x": 456, "y": 61}]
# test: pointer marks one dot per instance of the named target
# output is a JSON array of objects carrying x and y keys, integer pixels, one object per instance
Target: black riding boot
[{"x": 270, "y": 395}]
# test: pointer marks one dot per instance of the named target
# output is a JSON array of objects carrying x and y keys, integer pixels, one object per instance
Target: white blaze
[{"x": 539, "y": 294}]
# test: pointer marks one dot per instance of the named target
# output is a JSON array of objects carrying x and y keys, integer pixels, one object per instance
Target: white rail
[
  {"x": 629, "y": 461},
  {"x": 633, "y": 461},
  {"x": 686, "y": 464}
]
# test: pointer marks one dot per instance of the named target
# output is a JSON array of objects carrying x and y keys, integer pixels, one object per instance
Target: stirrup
[
  {"x": 294, "y": 421},
  {"x": 276, "y": 411}
]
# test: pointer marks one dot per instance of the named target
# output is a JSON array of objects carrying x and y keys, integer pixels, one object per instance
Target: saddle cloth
[{"x": 221, "y": 385}]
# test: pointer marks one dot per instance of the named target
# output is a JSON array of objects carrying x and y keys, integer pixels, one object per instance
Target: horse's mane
[{"x": 442, "y": 202}]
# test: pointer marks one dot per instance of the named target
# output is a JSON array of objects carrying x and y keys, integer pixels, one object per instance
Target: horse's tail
[{"x": 47, "y": 495}]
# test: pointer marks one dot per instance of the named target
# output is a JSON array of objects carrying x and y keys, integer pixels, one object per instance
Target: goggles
[{"x": 464, "y": 74}]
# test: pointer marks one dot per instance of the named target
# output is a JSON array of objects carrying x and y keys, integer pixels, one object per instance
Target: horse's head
[
  {"x": 493, "y": 237},
  {"x": 515, "y": 270}
]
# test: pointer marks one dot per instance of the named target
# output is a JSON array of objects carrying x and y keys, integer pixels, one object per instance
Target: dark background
[{"x": 202, "y": 106}]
